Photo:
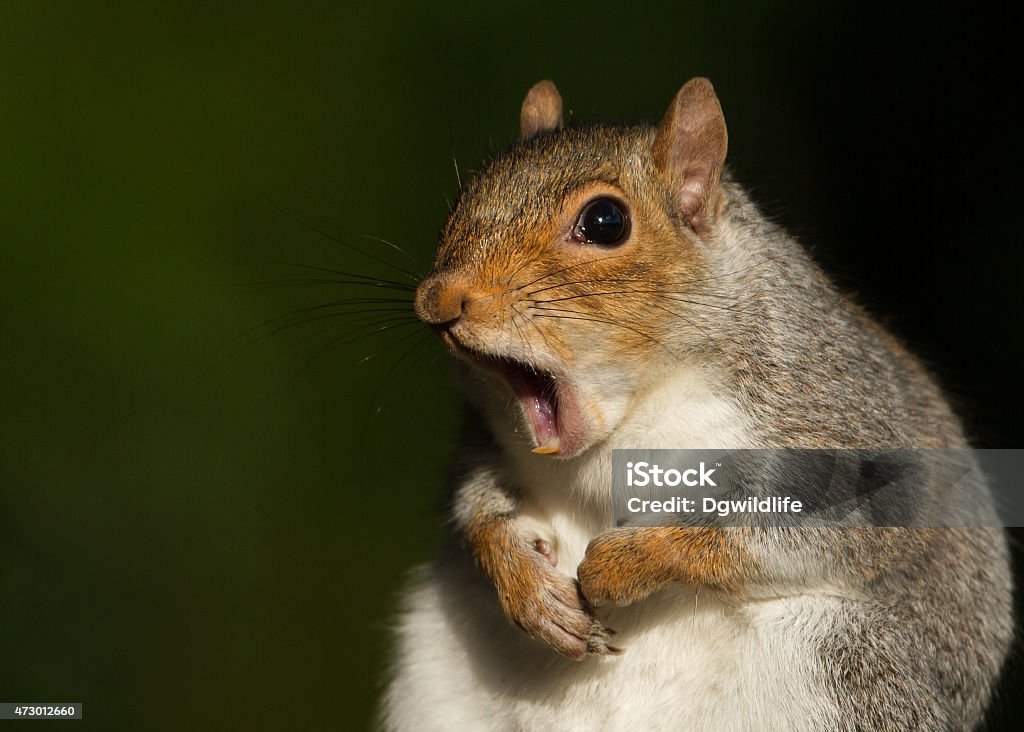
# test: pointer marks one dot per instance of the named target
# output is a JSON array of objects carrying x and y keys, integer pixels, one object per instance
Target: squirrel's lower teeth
[{"x": 551, "y": 446}]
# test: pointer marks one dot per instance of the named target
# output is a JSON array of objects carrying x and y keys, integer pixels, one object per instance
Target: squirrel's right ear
[
  {"x": 542, "y": 110},
  {"x": 689, "y": 150}
]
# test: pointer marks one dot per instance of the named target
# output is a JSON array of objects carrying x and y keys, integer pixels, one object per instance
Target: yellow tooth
[{"x": 552, "y": 446}]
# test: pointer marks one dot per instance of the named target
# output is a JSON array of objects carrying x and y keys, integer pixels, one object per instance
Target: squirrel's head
[{"x": 564, "y": 272}]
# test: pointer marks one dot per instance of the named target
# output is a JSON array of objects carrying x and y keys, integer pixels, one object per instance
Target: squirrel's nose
[{"x": 440, "y": 301}]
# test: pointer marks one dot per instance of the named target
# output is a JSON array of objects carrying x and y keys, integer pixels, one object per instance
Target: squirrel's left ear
[
  {"x": 542, "y": 110},
  {"x": 689, "y": 150}
]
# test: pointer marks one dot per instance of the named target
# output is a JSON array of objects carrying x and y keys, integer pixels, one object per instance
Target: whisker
[
  {"x": 386, "y": 346},
  {"x": 694, "y": 281},
  {"x": 683, "y": 318},
  {"x": 391, "y": 303},
  {"x": 731, "y": 308},
  {"x": 517, "y": 270},
  {"x": 342, "y": 242},
  {"x": 405, "y": 354},
  {"x": 667, "y": 295},
  {"x": 530, "y": 322},
  {"x": 398, "y": 312},
  {"x": 690, "y": 291},
  {"x": 341, "y": 273},
  {"x": 423, "y": 346},
  {"x": 589, "y": 294},
  {"x": 261, "y": 285},
  {"x": 352, "y": 336},
  {"x": 397, "y": 249},
  {"x": 739, "y": 271},
  {"x": 611, "y": 322},
  {"x": 372, "y": 319},
  {"x": 522, "y": 336},
  {"x": 565, "y": 269}
]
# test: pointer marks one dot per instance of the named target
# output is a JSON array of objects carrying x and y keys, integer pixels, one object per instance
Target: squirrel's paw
[
  {"x": 557, "y": 615},
  {"x": 547, "y": 605},
  {"x": 619, "y": 567}
]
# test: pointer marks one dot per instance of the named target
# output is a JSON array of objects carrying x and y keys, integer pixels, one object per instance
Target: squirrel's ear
[
  {"x": 542, "y": 110},
  {"x": 689, "y": 150}
]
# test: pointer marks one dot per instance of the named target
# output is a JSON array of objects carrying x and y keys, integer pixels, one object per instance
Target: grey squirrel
[{"x": 606, "y": 287}]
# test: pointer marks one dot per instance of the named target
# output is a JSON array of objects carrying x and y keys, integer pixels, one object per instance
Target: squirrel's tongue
[
  {"x": 543, "y": 415},
  {"x": 538, "y": 396}
]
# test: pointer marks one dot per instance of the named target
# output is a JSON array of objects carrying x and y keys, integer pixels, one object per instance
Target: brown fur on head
[{"x": 513, "y": 289}]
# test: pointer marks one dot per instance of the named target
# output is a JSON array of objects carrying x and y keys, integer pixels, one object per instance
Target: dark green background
[{"x": 203, "y": 539}]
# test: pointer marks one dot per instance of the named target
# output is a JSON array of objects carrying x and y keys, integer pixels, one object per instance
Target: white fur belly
[{"x": 690, "y": 663}]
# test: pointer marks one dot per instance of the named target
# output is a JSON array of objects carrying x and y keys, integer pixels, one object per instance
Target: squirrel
[{"x": 613, "y": 287}]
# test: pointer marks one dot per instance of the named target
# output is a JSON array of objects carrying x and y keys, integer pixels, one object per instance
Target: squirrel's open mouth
[{"x": 537, "y": 392}]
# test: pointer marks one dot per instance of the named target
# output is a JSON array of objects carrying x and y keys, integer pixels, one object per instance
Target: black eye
[{"x": 602, "y": 221}]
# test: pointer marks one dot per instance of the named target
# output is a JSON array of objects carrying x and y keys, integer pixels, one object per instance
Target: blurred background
[{"x": 205, "y": 521}]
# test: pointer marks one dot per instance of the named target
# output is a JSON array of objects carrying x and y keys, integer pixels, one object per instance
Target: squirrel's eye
[{"x": 602, "y": 221}]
